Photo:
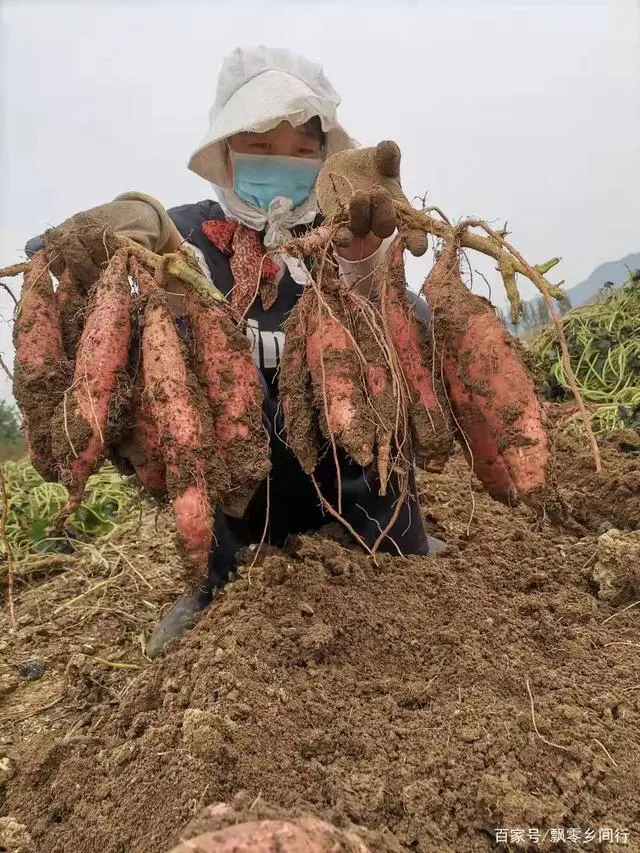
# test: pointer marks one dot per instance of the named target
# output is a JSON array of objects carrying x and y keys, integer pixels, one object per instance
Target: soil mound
[{"x": 434, "y": 700}]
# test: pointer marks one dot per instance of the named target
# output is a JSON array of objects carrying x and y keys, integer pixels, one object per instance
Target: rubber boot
[{"x": 181, "y": 618}]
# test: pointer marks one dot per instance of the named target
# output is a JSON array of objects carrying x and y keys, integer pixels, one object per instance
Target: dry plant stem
[
  {"x": 265, "y": 529},
  {"x": 117, "y": 665},
  {"x": 535, "y": 726},
  {"x": 175, "y": 267},
  {"x": 485, "y": 245},
  {"x": 7, "y": 545},
  {"x": 404, "y": 493},
  {"x": 619, "y": 612},
  {"x": 325, "y": 503},
  {"x": 9, "y": 291},
  {"x": 43, "y": 565},
  {"x": 6, "y": 369},
  {"x": 566, "y": 360},
  {"x": 606, "y": 752},
  {"x": 437, "y": 210},
  {"x": 16, "y": 269}
]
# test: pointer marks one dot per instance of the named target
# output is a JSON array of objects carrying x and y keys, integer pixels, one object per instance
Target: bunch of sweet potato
[
  {"x": 366, "y": 375},
  {"x": 357, "y": 373},
  {"x": 105, "y": 373}
]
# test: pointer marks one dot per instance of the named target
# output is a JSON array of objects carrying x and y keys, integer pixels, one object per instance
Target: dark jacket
[{"x": 264, "y": 327}]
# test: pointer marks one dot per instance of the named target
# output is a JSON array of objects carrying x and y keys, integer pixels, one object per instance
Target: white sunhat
[{"x": 257, "y": 89}]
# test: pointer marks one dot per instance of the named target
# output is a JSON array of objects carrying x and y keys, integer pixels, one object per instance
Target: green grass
[
  {"x": 33, "y": 505},
  {"x": 604, "y": 345},
  {"x": 11, "y": 449}
]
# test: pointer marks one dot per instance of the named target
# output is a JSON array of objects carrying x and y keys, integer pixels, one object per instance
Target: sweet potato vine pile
[{"x": 109, "y": 374}]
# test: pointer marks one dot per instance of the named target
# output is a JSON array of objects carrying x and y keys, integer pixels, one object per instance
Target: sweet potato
[
  {"x": 41, "y": 372},
  {"x": 490, "y": 389},
  {"x": 337, "y": 381},
  {"x": 381, "y": 391},
  {"x": 296, "y": 393},
  {"x": 182, "y": 437},
  {"x": 431, "y": 428},
  {"x": 142, "y": 447},
  {"x": 81, "y": 419},
  {"x": 71, "y": 302},
  {"x": 312, "y": 243},
  {"x": 224, "y": 365},
  {"x": 294, "y": 835}
]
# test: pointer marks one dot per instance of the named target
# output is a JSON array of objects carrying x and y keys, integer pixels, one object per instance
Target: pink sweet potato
[
  {"x": 294, "y": 835},
  {"x": 431, "y": 427},
  {"x": 71, "y": 302},
  {"x": 491, "y": 391},
  {"x": 179, "y": 423},
  {"x": 337, "y": 380},
  {"x": 381, "y": 389},
  {"x": 142, "y": 448},
  {"x": 296, "y": 393},
  {"x": 41, "y": 372},
  {"x": 81, "y": 419},
  {"x": 150, "y": 468},
  {"x": 225, "y": 368}
]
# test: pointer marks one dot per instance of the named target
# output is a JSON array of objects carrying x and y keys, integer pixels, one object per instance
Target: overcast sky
[{"x": 503, "y": 110}]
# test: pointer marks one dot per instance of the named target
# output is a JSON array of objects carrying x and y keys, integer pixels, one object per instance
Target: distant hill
[{"x": 615, "y": 271}]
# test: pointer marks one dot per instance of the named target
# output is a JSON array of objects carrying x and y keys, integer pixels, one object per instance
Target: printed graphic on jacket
[{"x": 267, "y": 346}]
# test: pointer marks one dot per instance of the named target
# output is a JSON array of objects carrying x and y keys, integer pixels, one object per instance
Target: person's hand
[
  {"x": 84, "y": 243},
  {"x": 359, "y": 186}
]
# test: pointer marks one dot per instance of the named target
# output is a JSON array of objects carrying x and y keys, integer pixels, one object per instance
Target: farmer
[{"x": 272, "y": 124}]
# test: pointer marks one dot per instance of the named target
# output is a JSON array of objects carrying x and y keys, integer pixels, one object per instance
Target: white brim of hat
[{"x": 260, "y": 105}]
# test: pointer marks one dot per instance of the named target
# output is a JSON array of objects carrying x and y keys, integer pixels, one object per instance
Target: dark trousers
[{"x": 294, "y": 506}]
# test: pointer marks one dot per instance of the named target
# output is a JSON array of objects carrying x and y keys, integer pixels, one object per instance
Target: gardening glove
[
  {"x": 84, "y": 242},
  {"x": 359, "y": 187}
]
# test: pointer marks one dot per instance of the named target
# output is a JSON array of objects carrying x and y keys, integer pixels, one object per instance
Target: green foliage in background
[
  {"x": 9, "y": 423},
  {"x": 33, "y": 504},
  {"x": 11, "y": 442},
  {"x": 604, "y": 344}
]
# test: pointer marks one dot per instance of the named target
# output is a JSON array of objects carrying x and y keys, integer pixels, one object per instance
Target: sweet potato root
[
  {"x": 71, "y": 302},
  {"x": 313, "y": 243},
  {"x": 224, "y": 365},
  {"x": 431, "y": 429},
  {"x": 294, "y": 835},
  {"x": 337, "y": 381},
  {"x": 381, "y": 390},
  {"x": 180, "y": 428},
  {"x": 142, "y": 447},
  {"x": 490, "y": 389},
  {"x": 81, "y": 419},
  {"x": 41, "y": 371},
  {"x": 296, "y": 393}
]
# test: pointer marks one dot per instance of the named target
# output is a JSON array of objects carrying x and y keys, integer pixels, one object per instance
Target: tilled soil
[{"x": 434, "y": 700}]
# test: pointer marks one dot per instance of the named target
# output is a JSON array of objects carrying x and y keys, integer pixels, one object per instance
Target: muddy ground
[{"x": 433, "y": 700}]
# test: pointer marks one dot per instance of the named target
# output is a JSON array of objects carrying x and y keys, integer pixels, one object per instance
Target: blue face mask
[{"x": 259, "y": 178}]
